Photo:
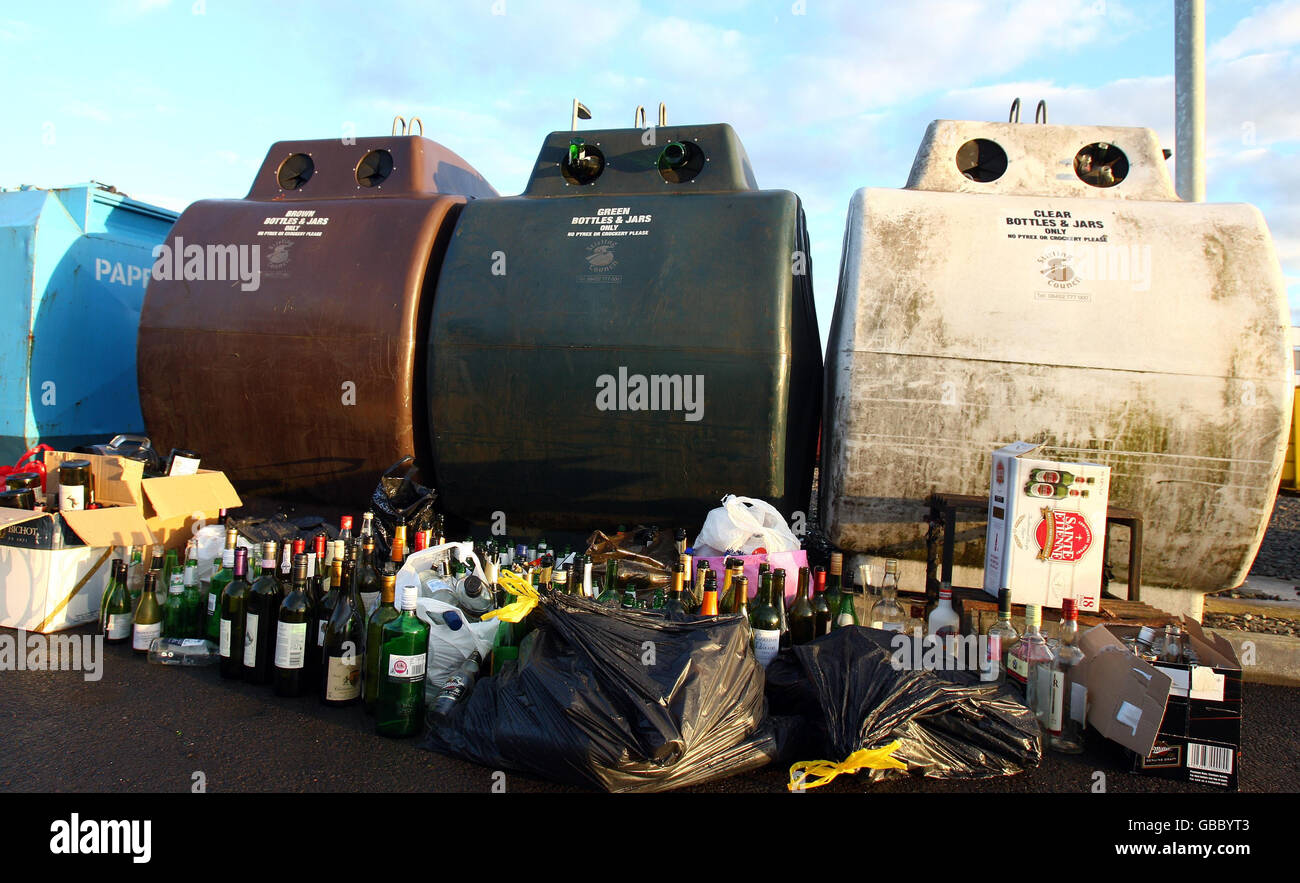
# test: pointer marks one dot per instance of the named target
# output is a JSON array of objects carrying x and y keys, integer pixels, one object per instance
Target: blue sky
[{"x": 177, "y": 100}]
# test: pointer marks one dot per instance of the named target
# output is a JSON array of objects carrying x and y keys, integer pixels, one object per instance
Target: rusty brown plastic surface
[{"x": 307, "y": 386}]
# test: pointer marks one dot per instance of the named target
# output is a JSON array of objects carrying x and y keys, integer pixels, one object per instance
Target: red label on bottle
[{"x": 1062, "y": 536}]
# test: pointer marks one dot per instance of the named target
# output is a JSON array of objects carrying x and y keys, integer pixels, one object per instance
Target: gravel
[
  {"x": 1279, "y": 554},
  {"x": 1252, "y": 622}
]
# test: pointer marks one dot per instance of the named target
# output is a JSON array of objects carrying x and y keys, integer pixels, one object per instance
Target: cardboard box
[
  {"x": 50, "y": 577},
  {"x": 1200, "y": 735},
  {"x": 1126, "y": 696},
  {"x": 1178, "y": 721},
  {"x": 1046, "y": 529},
  {"x": 170, "y": 505}
]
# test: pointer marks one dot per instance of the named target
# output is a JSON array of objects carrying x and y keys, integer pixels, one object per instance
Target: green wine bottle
[
  {"x": 343, "y": 652},
  {"x": 230, "y": 618},
  {"x": 399, "y": 705},
  {"x": 803, "y": 621},
  {"x": 261, "y": 608},
  {"x": 221, "y": 578},
  {"x": 174, "y": 619},
  {"x": 609, "y": 593},
  {"x": 192, "y": 600},
  {"x": 296, "y": 616},
  {"x": 147, "y": 620},
  {"x": 117, "y": 607},
  {"x": 846, "y": 615},
  {"x": 385, "y": 613},
  {"x": 673, "y": 603},
  {"x": 764, "y": 620},
  {"x": 833, "y": 582}
]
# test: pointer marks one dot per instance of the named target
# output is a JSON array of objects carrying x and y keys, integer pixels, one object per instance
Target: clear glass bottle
[
  {"x": 1030, "y": 649},
  {"x": 888, "y": 614},
  {"x": 944, "y": 621},
  {"x": 1063, "y": 708},
  {"x": 1001, "y": 637}
]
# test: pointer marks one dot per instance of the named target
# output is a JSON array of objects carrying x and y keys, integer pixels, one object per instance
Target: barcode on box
[{"x": 1214, "y": 758}]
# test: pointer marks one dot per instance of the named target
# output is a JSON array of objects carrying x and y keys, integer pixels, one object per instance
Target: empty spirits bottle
[
  {"x": 1001, "y": 637},
  {"x": 260, "y": 611},
  {"x": 1028, "y": 651},
  {"x": 385, "y": 612},
  {"x": 399, "y": 704},
  {"x": 944, "y": 621},
  {"x": 147, "y": 619},
  {"x": 1063, "y": 704},
  {"x": 890, "y": 580},
  {"x": 455, "y": 689},
  {"x": 823, "y": 616},
  {"x": 803, "y": 622},
  {"x": 764, "y": 620},
  {"x": 294, "y": 623},
  {"x": 234, "y": 598}
]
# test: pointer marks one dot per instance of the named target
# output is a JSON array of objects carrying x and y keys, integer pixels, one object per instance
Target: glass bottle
[
  {"x": 230, "y": 612},
  {"x": 944, "y": 621},
  {"x": 834, "y": 583},
  {"x": 147, "y": 619},
  {"x": 888, "y": 614},
  {"x": 117, "y": 606},
  {"x": 803, "y": 621},
  {"x": 1030, "y": 649},
  {"x": 384, "y": 613},
  {"x": 847, "y": 615},
  {"x": 764, "y": 620},
  {"x": 261, "y": 608},
  {"x": 778, "y": 598},
  {"x": 399, "y": 704},
  {"x": 709, "y": 606},
  {"x": 221, "y": 578},
  {"x": 609, "y": 594},
  {"x": 1063, "y": 705},
  {"x": 367, "y": 577},
  {"x": 822, "y": 615},
  {"x": 1001, "y": 637},
  {"x": 293, "y": 623},
  {"x": 673, "y": 603},
  {"x": 135, "y": 574},
  {"x": 193, "y": 596},
  {"x": 175, "y": 619},
  {"x": 343, "y": 651}
]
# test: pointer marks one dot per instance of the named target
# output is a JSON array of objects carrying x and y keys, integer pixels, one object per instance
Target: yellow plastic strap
[
  {"x": 523, "y": 592},
  {"x": 823, "y": 771}
]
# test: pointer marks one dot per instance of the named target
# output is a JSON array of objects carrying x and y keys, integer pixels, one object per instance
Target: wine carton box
[
  {"x": 1046, "y": 528},
  {"x": 52, "y": 576},
  {"x": 172, "y": 506}
]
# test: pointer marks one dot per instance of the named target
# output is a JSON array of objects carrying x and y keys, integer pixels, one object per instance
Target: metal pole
[{"x": 1189, "y": 86}]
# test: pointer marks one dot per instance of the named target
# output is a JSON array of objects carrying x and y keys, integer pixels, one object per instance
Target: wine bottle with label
[
  {"x": 778, "y": 598},
  {"x": 326, "y": 607},
  {"x": 343, "y": 652},
  {"x": 822, "y": 613},
  {"x": 295, "y": 618},
  {"x": 260, "y": 612},
  {"x": 385, "y": 613},
  {"x": 673, "y": 603},
  {"x": 117, "y": 606},
  {"x": 764, "y": 620},
  {"x": 193, "y": 596},
  {"x": 174, "y": 618},
  {"x": 368, "y": 577},
  {"x": 834, "y": 583},
  {"x": 147, "y": 620},
  {"x": 230, "y": 618},
  {"x": 220, "y": 579},
  {"x": 399, "y": 704}
]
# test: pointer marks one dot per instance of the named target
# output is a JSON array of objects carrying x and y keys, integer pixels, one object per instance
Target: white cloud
[
  {"x": 1272, "y": 27},
  {"x": 12, "y": 30},
  {"x": 86, "y": 110}
]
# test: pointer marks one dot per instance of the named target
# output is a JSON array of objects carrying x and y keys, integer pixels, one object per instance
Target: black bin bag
[
  {"x": 620, "y": 700},
  {"x": 852, "y": 696}
]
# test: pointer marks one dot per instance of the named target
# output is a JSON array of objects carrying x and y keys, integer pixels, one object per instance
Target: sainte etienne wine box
[
  {"x": 170, "y": 505},
  {"x": 52, "y": 574},
  {"x": 1047, "y": 528}
]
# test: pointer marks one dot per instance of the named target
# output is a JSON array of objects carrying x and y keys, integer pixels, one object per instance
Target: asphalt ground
[{"x": 152, "y": 728}]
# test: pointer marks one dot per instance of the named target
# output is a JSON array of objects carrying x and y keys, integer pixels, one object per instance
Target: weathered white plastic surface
[{"x": 1152, "y": 338}]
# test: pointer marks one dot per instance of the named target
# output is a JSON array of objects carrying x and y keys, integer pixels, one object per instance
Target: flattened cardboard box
[
  {"x": 1046, "y": 528},
  {"x": 171, "y": 505},
  {"x": 1126, "y": 695}
]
